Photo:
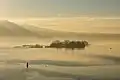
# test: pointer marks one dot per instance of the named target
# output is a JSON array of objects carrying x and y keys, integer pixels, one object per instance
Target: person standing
[{"x": 27, "y": 65}]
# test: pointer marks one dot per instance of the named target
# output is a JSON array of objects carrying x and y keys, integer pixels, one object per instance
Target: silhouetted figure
[
  {"x": 110, "y": 48},
  {"x": 27, "y": 65}
]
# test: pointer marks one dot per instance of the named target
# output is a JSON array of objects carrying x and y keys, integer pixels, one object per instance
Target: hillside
[
  {"x": 8, "y": 29},
  {"x": 49, "y": 33}
]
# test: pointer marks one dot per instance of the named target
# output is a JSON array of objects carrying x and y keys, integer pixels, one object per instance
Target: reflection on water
[
  {"x": 88, "y": 55},
  {"x": 94, "y": 62}
]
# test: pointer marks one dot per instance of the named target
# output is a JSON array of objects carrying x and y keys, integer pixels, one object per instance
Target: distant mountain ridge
[
  {"x": 11, "y": 29},
  {"x": 8, "y": 29}
]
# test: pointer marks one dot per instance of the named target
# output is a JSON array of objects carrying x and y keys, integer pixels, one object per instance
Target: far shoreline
[{"x": 57, "y": 44}]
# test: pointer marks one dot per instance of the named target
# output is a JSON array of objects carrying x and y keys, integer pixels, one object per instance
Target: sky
[
  {"x": 73, "y": 14},
  {"x": 53, "y": 8}
]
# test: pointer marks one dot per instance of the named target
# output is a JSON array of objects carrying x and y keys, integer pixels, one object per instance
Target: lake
[{"x": 99, "y": 61}]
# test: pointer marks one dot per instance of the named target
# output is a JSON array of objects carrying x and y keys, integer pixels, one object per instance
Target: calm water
[{"x": 97, "y": 62}]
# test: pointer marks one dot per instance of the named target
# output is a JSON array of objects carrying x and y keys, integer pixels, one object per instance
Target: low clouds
[{"x": 76, "y": 24}]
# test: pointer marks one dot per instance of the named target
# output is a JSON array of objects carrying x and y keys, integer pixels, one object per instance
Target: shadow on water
[
  {"x": 20, "y": 73},
  {"x": 115, "y": 59},
  {"x": 37, "y": 74},
  {"x": 52, "y": 62}
]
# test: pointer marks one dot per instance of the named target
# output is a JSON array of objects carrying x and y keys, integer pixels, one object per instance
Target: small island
[
  {"x": 30, "y": 46},
  {"x": 67, "y": 44}
]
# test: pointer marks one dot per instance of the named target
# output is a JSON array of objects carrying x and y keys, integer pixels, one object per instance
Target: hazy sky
[
  {"x": 52, "y": 8},
  {"x": 73, "y": 15}
]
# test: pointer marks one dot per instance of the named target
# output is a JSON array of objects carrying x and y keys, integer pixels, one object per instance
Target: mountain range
[{"x": 11, "y": 29}]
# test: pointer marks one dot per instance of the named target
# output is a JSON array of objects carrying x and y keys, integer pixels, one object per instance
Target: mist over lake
[{"x": 98, "y": 61}]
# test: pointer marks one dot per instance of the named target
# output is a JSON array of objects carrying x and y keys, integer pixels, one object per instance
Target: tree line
[{"x": 68, "y": 44}]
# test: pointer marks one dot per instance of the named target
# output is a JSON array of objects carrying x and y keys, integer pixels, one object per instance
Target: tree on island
[{"x": 68, "y": 44}]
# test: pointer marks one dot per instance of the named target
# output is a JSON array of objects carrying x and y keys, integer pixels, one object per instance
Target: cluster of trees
[
  {"x": 68, "y": 44},
  {"x": 32, "y": 46},
  {"x": 59, "y": 44}
]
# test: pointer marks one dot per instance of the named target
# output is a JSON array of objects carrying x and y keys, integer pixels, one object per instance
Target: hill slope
[
  {"x": 11, "y": 29},
  {"x": 43, "y": 32}
]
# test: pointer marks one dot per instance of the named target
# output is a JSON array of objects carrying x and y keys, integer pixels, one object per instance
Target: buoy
[{"x": 110, "y": 48}]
